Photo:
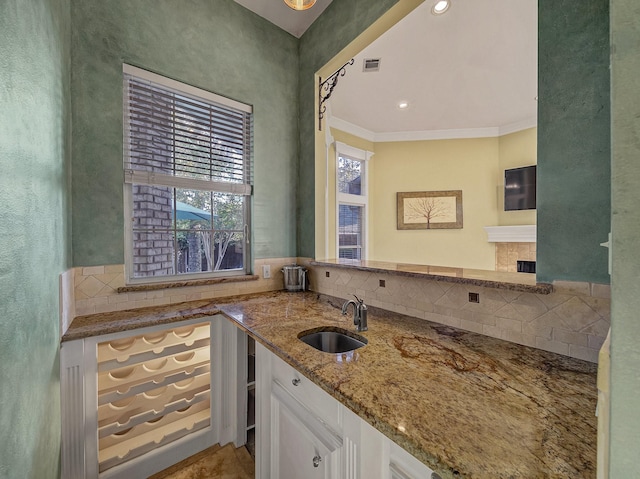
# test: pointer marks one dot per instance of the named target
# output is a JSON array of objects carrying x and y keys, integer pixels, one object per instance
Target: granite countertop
[
  {"x": 118, "y": 321},
  {"x": 525, "y": 282},
  {"x": 467, "y": 405},
  {"x": 464, "y": 404}
]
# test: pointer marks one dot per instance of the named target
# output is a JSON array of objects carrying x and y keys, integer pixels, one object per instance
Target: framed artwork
[{"x": 430, "y": 210}]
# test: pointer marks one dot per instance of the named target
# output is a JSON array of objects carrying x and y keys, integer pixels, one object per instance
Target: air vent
[{"x": 371, "y": 65}]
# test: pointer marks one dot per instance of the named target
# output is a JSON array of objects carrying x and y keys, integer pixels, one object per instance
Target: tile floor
[{"x": 215, "y": 462}]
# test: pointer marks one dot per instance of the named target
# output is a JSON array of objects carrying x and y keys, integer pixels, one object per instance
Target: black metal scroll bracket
[{"x": 325, "y": 89}]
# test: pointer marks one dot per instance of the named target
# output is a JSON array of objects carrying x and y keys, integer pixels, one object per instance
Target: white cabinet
[
  {"x": 303, "y": 432},
  {"x": 403, "y": 465},
  {"x": 381, "y": 458},
  {"x": 301, "y": 445}
]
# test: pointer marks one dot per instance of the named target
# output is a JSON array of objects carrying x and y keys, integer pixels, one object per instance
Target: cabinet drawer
[{"x": 325, "y": 407}]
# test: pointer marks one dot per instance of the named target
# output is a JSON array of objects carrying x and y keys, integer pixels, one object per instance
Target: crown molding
[
  {"x": 518, "y": 126},
  {"x": 352, "y": 129},
  {"x": 452, "y": 134},
  {"x": 438, "y": 134}
]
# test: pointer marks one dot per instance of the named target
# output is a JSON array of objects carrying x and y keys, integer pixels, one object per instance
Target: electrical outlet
[
  {"x": 474, "y": 297},
  {"x": 266, "y": 271},
  {"x": 382, "y": 283}
]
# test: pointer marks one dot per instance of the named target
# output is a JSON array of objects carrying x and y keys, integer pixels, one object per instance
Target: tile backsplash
[
  {"x": 95, "y": 288},
  {"x": 573, "y": 320}
]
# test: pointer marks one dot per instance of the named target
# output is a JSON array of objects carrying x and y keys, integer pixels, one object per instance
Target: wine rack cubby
[
  {"x": 153, "y": 389},
  {"x": 138, "y": 401}
]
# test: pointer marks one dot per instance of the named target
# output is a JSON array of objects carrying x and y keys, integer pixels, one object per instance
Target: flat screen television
[{"x": 520, "y": 188}]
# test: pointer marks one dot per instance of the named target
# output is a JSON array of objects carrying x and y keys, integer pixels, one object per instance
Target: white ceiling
[{"x": 470, "y": 72}]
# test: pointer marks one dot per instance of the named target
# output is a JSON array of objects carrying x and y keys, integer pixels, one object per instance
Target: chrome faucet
[{"x": 359, "y": 313}]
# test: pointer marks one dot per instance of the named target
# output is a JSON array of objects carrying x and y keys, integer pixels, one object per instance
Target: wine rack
[
  {"x": 138, "y": 401},
  {"x": 152, "y": 389}
]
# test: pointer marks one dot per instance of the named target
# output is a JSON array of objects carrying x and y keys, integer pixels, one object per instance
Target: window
[
  {"x": 188, "y": 180},
  {"x": 351, "y": 201},
  {"x": 350, "y": 233}
]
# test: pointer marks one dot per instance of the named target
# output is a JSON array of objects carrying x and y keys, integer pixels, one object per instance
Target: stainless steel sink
[{"x": 332, "y": 340}]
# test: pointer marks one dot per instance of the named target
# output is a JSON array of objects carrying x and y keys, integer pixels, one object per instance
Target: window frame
[
  {"x": 354, "y": 154},
  {"x": 180, "y": 182}
]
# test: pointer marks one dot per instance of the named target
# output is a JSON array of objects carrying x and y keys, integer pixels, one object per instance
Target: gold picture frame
[{"x": 430, "y": 210}]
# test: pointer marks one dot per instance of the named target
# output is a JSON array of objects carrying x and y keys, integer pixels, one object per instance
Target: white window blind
[
  {"x": 350, "y": 231},
  {"x": 176, "y": 134}
]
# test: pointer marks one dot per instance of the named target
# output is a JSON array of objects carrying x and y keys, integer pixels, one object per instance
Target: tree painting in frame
[{"x": 429, "y": 210}]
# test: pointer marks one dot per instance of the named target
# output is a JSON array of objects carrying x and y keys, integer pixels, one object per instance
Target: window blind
[{"x": 174, "y": 139}]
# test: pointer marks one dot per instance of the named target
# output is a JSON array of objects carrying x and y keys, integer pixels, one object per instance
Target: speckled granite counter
[
  {"x": 466, "y": 405},
  {"x": 491, "y": 279},
  {"x": 118, "y": 321}
]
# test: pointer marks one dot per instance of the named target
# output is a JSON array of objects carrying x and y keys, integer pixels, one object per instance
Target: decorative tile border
[
  {"x": 573, "y": 320},
  {"x": 96, "y": 288}
]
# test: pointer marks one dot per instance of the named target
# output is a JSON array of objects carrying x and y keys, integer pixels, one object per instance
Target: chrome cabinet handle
[
  {"x": 316, "y": 461},
  {"x": 295, "y": 381}
]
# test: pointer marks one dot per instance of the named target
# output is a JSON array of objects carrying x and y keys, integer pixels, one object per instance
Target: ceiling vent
[{"x": 371, "y": 65}]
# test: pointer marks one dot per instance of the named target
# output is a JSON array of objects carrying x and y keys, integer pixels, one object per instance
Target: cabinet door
[
  {"x": 403, "y": 465},
  {"x": 301, "y": 445},
  {"x": 381, "y": 458}
]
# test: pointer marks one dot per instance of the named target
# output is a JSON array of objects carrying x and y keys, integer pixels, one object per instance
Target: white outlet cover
[{"x": 266, "y": 271}]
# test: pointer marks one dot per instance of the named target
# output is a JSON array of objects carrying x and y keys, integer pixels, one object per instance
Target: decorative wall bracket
[{"x": 325, "y": 89}]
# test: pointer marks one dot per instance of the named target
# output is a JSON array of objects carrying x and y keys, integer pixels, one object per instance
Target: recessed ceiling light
[
  {"x": 300, "y": 4},
  {"x": 440, "y": 7},
  {"x": 403, "y": 105}
]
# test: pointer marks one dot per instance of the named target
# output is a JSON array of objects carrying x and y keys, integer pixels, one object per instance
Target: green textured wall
[
  {"x": 34, "y": 145},
  {"x": 216, "y": 45},
  {"x": 573, "y": 201},
  {"x": 338, "y": 25},
  {"x": 625, "y": 300}
]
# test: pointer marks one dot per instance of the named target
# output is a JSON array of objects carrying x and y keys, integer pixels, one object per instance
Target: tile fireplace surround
[{"x": 508, "y": 255}]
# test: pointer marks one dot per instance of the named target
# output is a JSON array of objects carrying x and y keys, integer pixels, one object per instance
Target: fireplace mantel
[{"x": 511, "y": 234}]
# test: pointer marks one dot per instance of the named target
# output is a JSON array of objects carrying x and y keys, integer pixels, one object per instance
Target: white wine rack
[
  {"x": 153, "y": 388},
  {"x": 139, "y": 401}
]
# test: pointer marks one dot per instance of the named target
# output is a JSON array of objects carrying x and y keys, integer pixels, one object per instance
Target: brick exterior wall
[{"x": 152, "y": 249}]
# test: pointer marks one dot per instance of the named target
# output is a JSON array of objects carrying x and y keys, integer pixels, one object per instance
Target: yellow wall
[
  {"x": 475, "y": 166},
  {"x": 516, "y": 150},
  {"x": 468, "y": 165}
]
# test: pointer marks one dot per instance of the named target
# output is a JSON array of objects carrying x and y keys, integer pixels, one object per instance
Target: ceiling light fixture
[
  {"x": 300, "y": 4},
  {"x": 440, "y": 7},
  {"x": 403, "y": 105}
]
